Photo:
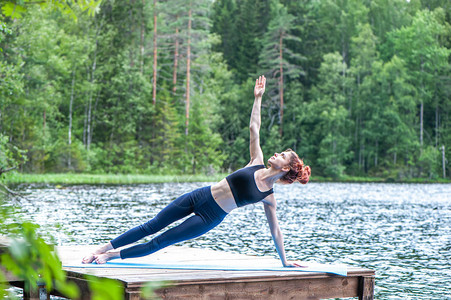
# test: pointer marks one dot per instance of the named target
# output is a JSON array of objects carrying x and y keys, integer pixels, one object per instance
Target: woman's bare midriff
[{"x": 223, "y": 195}]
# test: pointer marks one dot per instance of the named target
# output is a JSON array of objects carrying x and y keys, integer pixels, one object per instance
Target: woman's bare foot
[
  {"x": 91, "y": 257},
  {"x": 88, "y": 259},
  {"x": 103, "y": 258}
]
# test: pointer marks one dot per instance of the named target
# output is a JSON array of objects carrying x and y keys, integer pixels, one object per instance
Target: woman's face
[{"x": 280, "y": 160}]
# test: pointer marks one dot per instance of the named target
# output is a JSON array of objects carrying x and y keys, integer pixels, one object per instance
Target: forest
[{"x": 355, "y": 87}]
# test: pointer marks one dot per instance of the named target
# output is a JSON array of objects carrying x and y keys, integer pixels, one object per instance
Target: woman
[{"x": 211, "y": 204}]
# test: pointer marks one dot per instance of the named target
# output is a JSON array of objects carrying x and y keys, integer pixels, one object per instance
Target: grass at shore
[
  {"x": 73, "y": 179},
  {"x": 69, "y": 178}
]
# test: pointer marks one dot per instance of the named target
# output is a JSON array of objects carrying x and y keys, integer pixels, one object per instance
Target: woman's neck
[{"x": 270, "y": 176}]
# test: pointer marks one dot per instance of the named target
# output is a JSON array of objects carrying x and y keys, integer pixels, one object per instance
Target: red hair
[{"x": 298, "y": 171}]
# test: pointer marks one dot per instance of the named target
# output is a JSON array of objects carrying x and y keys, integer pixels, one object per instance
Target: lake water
[{"x": 403, "y": 231}]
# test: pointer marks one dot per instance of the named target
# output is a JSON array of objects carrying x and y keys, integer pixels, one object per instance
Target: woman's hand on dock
[{"x": 293, "y": 265}]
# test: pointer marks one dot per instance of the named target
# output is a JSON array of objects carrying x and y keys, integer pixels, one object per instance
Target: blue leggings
[{"x": 207, "y": 215}]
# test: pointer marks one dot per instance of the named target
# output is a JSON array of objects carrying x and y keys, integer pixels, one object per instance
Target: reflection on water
[{"x": 400, "y": 230}]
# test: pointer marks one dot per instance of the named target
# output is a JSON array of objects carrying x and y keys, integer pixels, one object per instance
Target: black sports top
[{"x": 243, "y": 186}]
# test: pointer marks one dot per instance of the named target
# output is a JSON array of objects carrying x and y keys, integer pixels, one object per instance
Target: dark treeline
[{"x": 356, "y": 87}]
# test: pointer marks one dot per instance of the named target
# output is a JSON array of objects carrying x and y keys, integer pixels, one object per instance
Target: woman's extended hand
[{"x": 259, "y": 88}]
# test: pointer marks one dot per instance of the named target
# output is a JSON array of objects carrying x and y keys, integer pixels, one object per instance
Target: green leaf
[
  {"x": 13, "y": 10},
  {"x": 104, "y": 288}
]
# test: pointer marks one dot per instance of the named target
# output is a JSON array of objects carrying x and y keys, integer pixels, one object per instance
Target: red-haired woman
[{"x": 209, "y": 205}]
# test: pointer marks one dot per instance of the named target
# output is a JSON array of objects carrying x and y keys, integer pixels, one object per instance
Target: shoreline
[{"x": 84, "y": 178}]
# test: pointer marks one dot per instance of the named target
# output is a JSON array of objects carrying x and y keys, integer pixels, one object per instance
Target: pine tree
[
  {"x": 224, "y": 24},
  {"x": 276, "y": 59},
  {"x": 251, "y": 23}
]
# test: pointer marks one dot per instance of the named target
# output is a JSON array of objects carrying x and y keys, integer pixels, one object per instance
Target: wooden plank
[
  {"x": 132, "y": 283},
  {"x": 366, "y": 288},
  {"x": 83, "y": 287},
  {"x": 133, "y": 276},
  {"x": 295, "y": 289}
]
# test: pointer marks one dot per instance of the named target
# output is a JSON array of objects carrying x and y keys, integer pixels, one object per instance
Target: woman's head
[{"x": 290, "y": 162}]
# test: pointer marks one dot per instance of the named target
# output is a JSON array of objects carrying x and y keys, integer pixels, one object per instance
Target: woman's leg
[
  {"x": 191, "y": 228},
  {"x": 176, "y": 210}
]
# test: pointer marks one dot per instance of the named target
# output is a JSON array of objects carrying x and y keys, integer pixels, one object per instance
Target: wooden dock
[
  {"x": 216, "y": 284},
  {"x": 220, "y": 284}
]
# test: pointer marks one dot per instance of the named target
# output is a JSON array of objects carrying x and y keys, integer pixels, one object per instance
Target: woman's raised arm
[{"x": 255, "y": 122}]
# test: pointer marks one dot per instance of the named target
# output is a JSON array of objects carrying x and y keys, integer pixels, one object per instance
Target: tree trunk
[
  {"x": 176, "y": 59},
  {"x": 89, "y": 117},
  {"x": 281, "y": 83},
  {"x": 89, "y": 121},
  {"x": 421, "y": 124},
  {"x": 92, "y": 120},
  {"x": 85, "y": 125},
  {"x": 1, "y": 120},
  {"x": 188, "y": 62},
  {"x": 154, "y": 92},
  {"x": 363, "y": 158},
  {"x": 436, "y": 125},
  {"x": 334, "y": 149},
  {"x": 44, "y": 121},
  {"x": 375, "y": 156},
  {"x": 421, "y": 108},
  {"x": 360, "y": 139},
  {"x": 142, "y": 37},
  {"x": 343, "y": 53},
  {"x": 69, "y": 161},
  {"x": 130, "y": 33}
]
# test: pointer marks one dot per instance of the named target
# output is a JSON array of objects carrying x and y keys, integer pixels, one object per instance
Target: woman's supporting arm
[
  {"x": 255, "y": 122},
  {"x": 270, "y": 211}
]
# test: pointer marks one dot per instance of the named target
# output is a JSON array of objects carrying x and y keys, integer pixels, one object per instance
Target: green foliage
[
  {"x": 17, "y": 8},
  {"x": 224, "y": 18},
  {"x": 33, "y": 112},
  {"x": 429, "y": 162},
  {"x": 202, "y": 145},
  {"x": 332, "y": 117},
  {"x": 104, "y": 288},
  {"x": 358, "y": 77},
  {"x": 32, "y": 260},
  {"x": 10, "y": 155},
  {"x": 252, "y": 19}
]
